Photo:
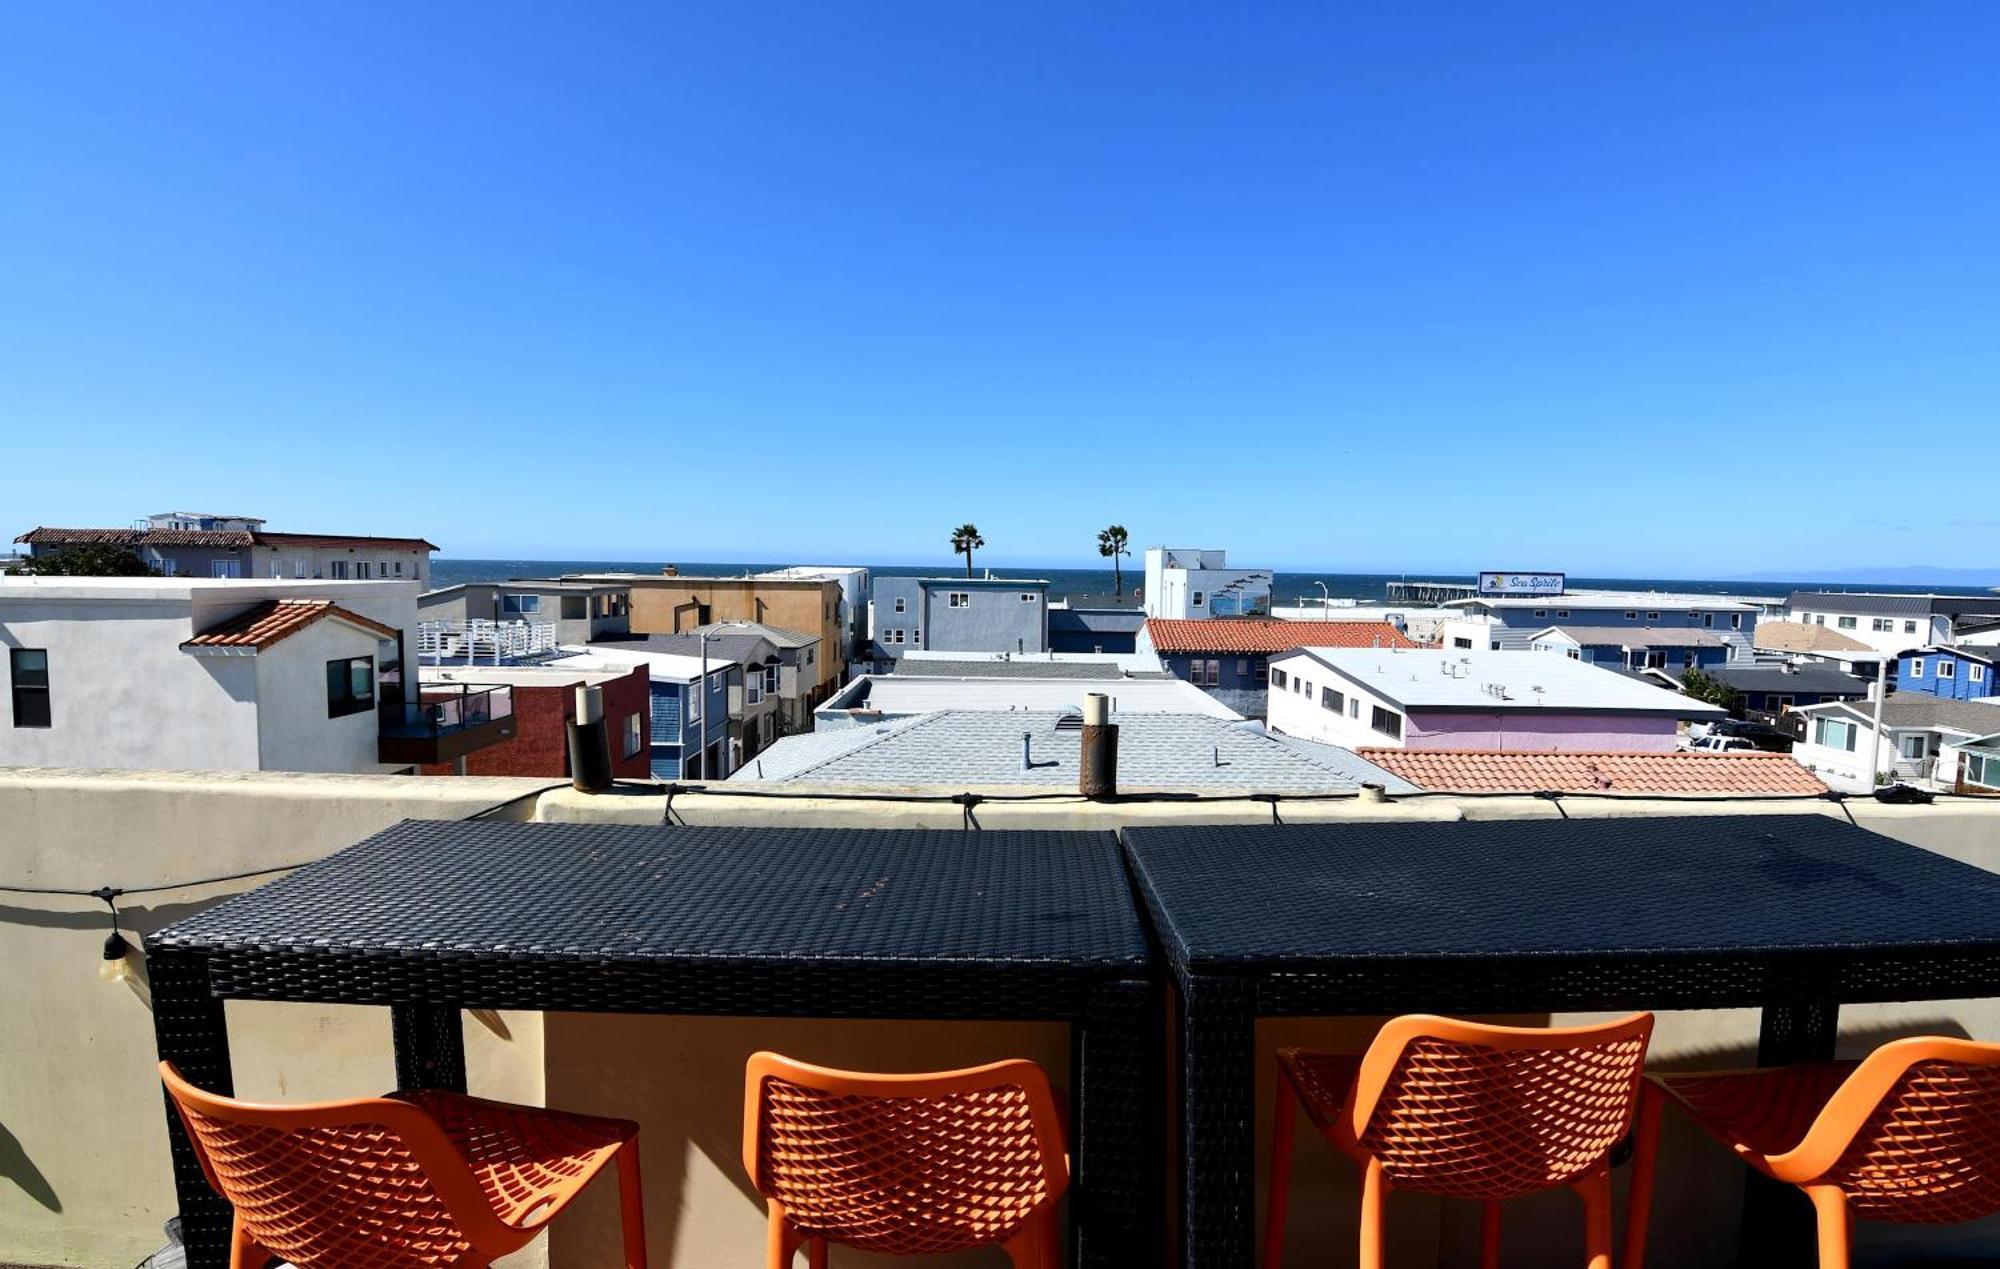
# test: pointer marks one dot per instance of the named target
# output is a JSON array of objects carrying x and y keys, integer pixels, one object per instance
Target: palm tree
[
  {"x": 1112, "y": 542},
  {"x": 963, "y": 539}
]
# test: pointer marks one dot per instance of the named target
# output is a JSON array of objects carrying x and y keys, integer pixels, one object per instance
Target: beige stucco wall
[{"x": 83, "y": 1171}]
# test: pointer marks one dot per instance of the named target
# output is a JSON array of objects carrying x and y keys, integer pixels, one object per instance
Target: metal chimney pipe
[
  {"x": 1097, "y": 772},
  {"x": 589, "y": 743},
  {"x": 1027, "y": 751}
]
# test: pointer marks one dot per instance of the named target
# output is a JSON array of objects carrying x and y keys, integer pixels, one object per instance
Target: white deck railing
[{"x": 476, "y": 641}]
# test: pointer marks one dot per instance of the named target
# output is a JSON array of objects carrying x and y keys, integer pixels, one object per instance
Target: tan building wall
[
  {"x": 669, "y": 605},
  {"x": 83, "y": 1170}
]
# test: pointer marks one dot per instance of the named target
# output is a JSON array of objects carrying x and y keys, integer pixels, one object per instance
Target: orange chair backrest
[
  {"x": 1912, "y": 1135},
  {"x": 371, "y": 1183},
  {"x": 1474, "y": 1111},
  {"x": 903, "y": 1164}
]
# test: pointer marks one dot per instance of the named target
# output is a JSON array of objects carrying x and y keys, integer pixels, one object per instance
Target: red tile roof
[
  {"x": 1638, "y": 774},
  {"x": 265, "y": 624},
  {"x": 216, "y": 537},
  {"x": 1255, "y": 634}
]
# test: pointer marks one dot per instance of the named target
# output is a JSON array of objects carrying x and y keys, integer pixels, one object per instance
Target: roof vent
[{"x": 1071, "y": 719}]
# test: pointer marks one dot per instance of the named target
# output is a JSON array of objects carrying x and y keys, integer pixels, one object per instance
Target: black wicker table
[
  {"x": 1795, "y": 914},
  {"x": 429, "y": 918}
]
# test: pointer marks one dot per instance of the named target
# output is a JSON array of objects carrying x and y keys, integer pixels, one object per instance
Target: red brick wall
[{"x": 540, "y": 745}]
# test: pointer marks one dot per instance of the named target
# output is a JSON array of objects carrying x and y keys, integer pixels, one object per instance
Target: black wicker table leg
[
  {"x": 190, "y": 1031},
  {"x": 430, "y": 1046},
  {"x": 1778, "y": 1224},
  {"x": 1115, "y": 1193},
  {"x": 1218, "y": 1139}
]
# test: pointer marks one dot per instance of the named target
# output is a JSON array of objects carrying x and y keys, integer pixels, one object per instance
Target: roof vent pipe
[
  {"x": 589, "y": 743},
  {"x": 1097, "y": 773},
  {"x": 1027, "y": 751}
]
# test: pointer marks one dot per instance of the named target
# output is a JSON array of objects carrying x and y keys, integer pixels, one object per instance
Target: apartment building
[
  {"x": 957, "y": 614},
  {"x": 673, "y": 603},
  {"x": 1889, "y": 622},
  {"x": 1510, "y": 623},
  {"x": 1190, "y": 583},
  {"x": 196, "y": 544}
]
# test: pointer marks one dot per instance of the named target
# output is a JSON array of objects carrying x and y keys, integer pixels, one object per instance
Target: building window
[
  {"x": 1881, "y": 624},
  {"x": 1736, "y": 621},
  {"x": 770, "y": 680},
  {"x": 1708, "y": 620},
  {"x": 1304, "y": 688},
  {"x": 1541, "y": 612},
  {"x": 1983, "y": 770},
  {"x": 694, "y": 704},
  {"x": 1631, "y": 616},
  {"x": 1846, "y": 623},
  {"x": 1975, "y": 672},
  {"x": 1388, "y": 722},
  {"x": 1027, "y": 597},
  {"x": 902, "y": 605},
  {"x": 1820, "y": 619},
  {"x": 1656, "y": 660},
  {"x": 960, "y": 599},
  {"x": 1575, "y": 654},
  {"x": 1462, "y": 643},
  {"x": 1909, "y": 627},
  {"x": 892, "y": 636},
  {"x": 753, "y": 688},
  {"x": 1198, "y": 598},
  {"x": 350, "y": 686},
  {"x": 1560, "y": 612},
  {"x": 633, "y": 740},
  {"x": 337, "y": 569},
  {"x": 520, "y": 605},
  {"x": 1242, "y": 667},
  {"x": 1947, "y": 669},
  {"x": 1330, "y": 699},
  {"x": 28, "y": 669},
  {"x": 1832, "y": 734},
  {"x": 225, "y": 568},
  {"x": 361, "y": 570},
  {"x": 575, "y": 607},
  {"x": 399, "y": 568},
  {"x": 1652, "y": 616},
  {"x": 1277, "y": 677},
  {"x": 1916, "y": 667},
  {"x": 1354, "y": 707}
]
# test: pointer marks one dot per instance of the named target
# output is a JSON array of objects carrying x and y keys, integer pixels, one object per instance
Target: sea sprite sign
[{"x": 1522, "y": 583}]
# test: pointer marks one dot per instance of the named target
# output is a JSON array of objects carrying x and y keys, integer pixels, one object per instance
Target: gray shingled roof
[
  {"x": 1886, "y": 605},
  {"x": 971, "y": 748},
  {"x": 1815, "y": 678},
  {"x": 1915, "y": 709}
]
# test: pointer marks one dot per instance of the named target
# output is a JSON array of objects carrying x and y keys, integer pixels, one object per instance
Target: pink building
[{"x": 1432, "y": 698}]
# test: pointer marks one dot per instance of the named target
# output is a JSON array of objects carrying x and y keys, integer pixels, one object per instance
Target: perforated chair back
[
  {"x": 1917, "y": 1130},
  {"x": 903, "y": 1164},
  {"x": 1473, "y": 1111},
  {"x": 371, "y": 1183}
]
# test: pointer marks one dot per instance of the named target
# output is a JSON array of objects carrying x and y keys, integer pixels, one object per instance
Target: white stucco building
[
  {"x": 201, "y": 673},
  {"x": 1188, "y": 582},
  {"x": 1427, "y": 698}
]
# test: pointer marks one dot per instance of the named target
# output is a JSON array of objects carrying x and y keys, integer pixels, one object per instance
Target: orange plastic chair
[
  {"x": 412, "y": 1179},
  {"x": 1911, "y": 1134},
  {"x": 905, "y": 1165},
  {"x": 1465, "y": 1110}
]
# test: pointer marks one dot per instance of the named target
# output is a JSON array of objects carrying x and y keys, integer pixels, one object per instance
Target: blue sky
[{"x": 1682, "y": 290}]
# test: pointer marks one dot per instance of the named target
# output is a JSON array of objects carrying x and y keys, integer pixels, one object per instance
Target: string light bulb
[{"x": 116, "y": 964}]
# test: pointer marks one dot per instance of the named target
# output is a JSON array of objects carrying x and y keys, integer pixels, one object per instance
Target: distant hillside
[{"x": 1912, "y": 575}]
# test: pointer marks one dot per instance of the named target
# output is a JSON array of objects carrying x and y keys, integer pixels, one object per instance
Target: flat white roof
[
  {"x": 1433, "y": 678},
  {"x": 671, "y": 665},
  {"x": 1621, "y": 599},
  {"x": 1140, "y": 662},
  {"x": 896, "y": 694},
  {"x": 548, "y": 674}
]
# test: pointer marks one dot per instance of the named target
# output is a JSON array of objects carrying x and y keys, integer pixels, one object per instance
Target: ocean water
[{"x": 1286, "y": 588}]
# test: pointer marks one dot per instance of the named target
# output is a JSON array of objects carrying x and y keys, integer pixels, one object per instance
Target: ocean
[{"x": 1286, "y": 588}]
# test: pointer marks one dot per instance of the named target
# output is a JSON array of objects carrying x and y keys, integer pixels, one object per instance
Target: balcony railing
[{"x": 447, "y": 722}]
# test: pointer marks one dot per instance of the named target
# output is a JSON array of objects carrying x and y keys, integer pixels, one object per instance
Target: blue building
[
  {"x": 1634, "y": 647},
  {"x": 1958, "y": 674},
  {"x": 1095, "y": 629},
  {"x": 957, "y": 614},
  {"x": 1513, "y": 621},
  {"x": 690, "y": 727}
]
